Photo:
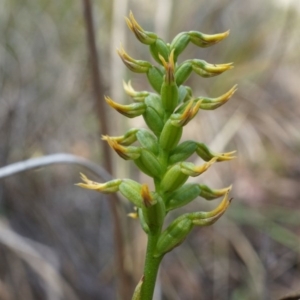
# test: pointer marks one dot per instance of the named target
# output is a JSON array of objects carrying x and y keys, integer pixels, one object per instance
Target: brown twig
[{"x": 100, "y": 108}]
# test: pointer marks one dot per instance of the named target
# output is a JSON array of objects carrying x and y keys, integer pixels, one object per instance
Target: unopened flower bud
[
  {"x": 179, "y": 43},
  {"x": 173, "y": 236},
  {"x": 184, "y": 94},
  {"x": 159, "y": 48},
  {"x": 149, "y": 164},
  {"x": 143, "y": 36},
  {"x": 173, "y": 179},
  {"x": 155, "y": 77},
  {"x": 182, "y": 152},
  {"x": 170, "y": 136},
  {"x": 205, "y": 40},
  {"x": 153, "y": 120},
  {"x": 154, "y": 113},
  {"x": 106, "y": 188},
  {"x": 154, "y": 101},
  {"x": 130, "y": 111},
  {"x": 183, "y": 196},
  {"x": 147, "y": 140},
  {"x": 183, "y": 72},
  {"x": 137, "y": 66}
]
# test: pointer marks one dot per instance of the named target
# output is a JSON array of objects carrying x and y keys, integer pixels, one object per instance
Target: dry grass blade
[{"x": 56, "y": 286}]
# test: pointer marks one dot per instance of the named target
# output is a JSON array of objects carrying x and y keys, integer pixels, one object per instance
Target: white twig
[{"x": 60, "y": 158}]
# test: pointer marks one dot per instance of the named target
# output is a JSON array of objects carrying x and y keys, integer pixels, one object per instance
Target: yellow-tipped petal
[
  {"x": 213, "y": 103},
  {"x": 107, "y": 187},
  {"x": 208, "y": 218},
  {"x": 191, "y": 170},
  {"x": 220, "y": 209},
  {"x": 143, "y": 36},
  {"x": 136, "y": 96},
  {"x": 201, "y": 169},
  {"x": 124, "y": 152},
  {"x": 206, "y": 154},
  {"x": 128, "y": 88},
  {"x": 210, "y": 194},
  {"x": 138, "y": 66},
  {"x": 134, "y": 22},
  {"x": 190, "y": 114},
  {"x": 125, "y": 140},
  {"x": 218, "y": 68},
  {"x": 205, "y": 40},
  {"x": 131, "y": 110},
  {"x": 206, "y": 69}
]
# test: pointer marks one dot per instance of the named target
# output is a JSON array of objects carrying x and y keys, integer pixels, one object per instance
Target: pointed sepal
[
  {"x": 108, "y": 187},
  {"x": 190, "y": 169},
  {"x": 137, "y": 66},
  {"x": 206, "y": 40},
  {"x": 135, "y": 95},
  {"x": 206, "y": 69},
  {"x": 130, "y": 111},
  {"x": 208, "y": 218},
  {"x": 143, "y": 36},
  {"x": 181, "y": 117},
  {"x": 206, "y": 154},
  {"x": 211, "y": 194},
  {"x": 125, "y": 140},
  {"x": 213, "y": 103},
  {"x": 126, "y": 153}
]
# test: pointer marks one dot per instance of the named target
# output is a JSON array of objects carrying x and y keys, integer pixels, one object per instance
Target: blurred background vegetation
[{"x": 56, "y": 240}]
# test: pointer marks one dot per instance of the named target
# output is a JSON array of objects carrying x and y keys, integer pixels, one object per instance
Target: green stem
[
  {"x": 151, "y": 268},
  {"x": 152, "y": 263}
]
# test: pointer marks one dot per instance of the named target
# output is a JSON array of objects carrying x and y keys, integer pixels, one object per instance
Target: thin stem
[
  {"x": 102, "y": 117},
  {"x": 152, "y": 263},
  {"x": 151, "y": 268}
]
